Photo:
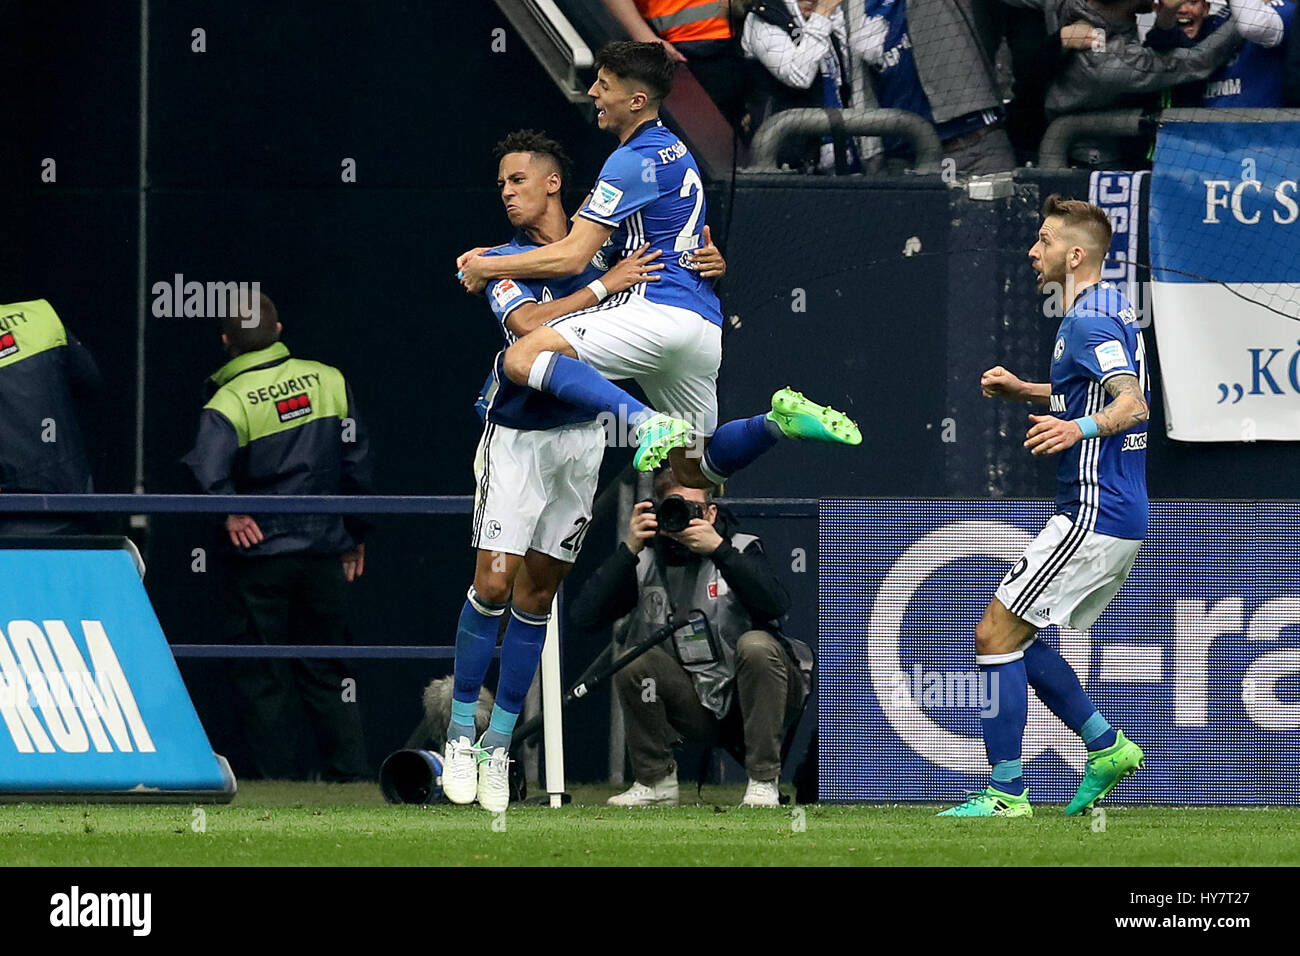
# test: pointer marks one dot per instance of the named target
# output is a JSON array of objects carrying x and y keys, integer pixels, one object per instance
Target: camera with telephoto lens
[{"x": 675, "y": 513}]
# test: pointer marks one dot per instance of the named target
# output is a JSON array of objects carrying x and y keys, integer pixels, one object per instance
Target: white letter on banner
[
  {"x": 15, "y": 707},
  {"x": 1212, "y": 199},
  {"x": 1236, "y": 203},
  {"x": 1195, "y": 629},
  {"x": 95, "y": 709},
  {"x": 113, "y": 685},
  {"x": 1286, "y": 202},
  {"x": 1259, "y": 684},
  {"x": 51, "y": 692}
]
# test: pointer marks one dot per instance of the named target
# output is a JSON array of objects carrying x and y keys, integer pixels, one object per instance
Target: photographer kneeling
[{"x": 732, "y": 669}]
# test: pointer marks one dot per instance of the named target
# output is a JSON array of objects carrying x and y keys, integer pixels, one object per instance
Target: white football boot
[
  {"x": 493, "y": 779},
  {"x": 662, "y": 794},
  {"x": 460, "y": 771},
  {"x": 761, "y": 793}
]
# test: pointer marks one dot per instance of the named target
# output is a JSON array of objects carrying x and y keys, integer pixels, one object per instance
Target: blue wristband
[{"x": 1088, "y": 426}]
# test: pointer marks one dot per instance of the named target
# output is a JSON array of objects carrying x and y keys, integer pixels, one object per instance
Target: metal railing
[{"x": 819, "y": 122}]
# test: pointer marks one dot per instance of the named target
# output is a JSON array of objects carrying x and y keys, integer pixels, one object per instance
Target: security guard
[
  {"x": 43, "y": 371},
  {"x": 284, "y": 426}
]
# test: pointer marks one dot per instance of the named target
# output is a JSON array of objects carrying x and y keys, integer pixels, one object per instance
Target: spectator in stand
[
  {"x": 694, "y": 32},
  {"x": 1105, "y": 66},
  {"x": 1121, "y": 72},
  {"x": 928, "y": 57},
  {"x": 1253, "y": 78},
  {"x": 799, "y": 52}
]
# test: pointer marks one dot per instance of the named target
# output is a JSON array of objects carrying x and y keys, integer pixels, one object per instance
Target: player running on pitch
[
  {"x": 1073, "y": 569},
  {"x": 668, "y": 336},
  {"x": 536, "y": 468}
]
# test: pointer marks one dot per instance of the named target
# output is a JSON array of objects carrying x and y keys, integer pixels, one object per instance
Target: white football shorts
[
  {"x": 673, "y": 353},
  {"x": 534, "y": 489},
  {"x": 1067, "y": 575}
]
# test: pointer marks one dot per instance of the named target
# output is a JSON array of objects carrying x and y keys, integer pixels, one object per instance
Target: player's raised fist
[
  {"x": 997, "y": 382},
  {"x": 643, "y": 526},
  {"x": 1049, "y": 435},
  {"x": 464, "y": 257}
]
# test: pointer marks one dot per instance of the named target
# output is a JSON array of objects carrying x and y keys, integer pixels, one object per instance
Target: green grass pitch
[{"x": 298, "y": 824}]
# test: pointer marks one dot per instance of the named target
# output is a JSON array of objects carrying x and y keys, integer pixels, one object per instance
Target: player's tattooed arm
[
  {"x": 631, "y": 270},
  {"x": 1127, "y": 409}
]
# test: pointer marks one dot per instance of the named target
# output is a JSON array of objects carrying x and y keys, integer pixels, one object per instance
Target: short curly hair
[{"x": 537, "y": 143}]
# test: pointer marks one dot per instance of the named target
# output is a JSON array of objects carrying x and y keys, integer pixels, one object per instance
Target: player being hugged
[
  {"x": 535, "y": 470},
  {"x": 667, "y": 335},
  {"x": 1073, "y": 569}
]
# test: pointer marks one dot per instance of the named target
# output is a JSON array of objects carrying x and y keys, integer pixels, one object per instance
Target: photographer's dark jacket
[{"x": 734, "y": 587}]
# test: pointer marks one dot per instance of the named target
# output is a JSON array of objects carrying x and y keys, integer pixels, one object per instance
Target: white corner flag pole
[{"x": 552, "y": 721}]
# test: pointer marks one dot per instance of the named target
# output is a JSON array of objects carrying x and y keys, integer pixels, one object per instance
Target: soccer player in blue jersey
[
  {"x": 666, "y": 335},
  {"x": 1073, "y": 569},
  {"x": 1251, "y": 79},
  {"x": 536, "y": 470}
]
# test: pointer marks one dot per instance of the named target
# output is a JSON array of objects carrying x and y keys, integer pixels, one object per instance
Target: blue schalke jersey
[
  {"x": 1101, "y": 483},
  {"x": 518, "y": 406},
  {"x": 650, "y": 190},
  {"x": 1253, "y": 78}
]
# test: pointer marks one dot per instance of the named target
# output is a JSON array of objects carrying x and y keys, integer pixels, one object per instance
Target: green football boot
[
  {"x": 992, "y": 802},
  {"x": 657, "y": 436},
  {"x": 1105, "y": 769},
  {"x": 797, "y": 417}
]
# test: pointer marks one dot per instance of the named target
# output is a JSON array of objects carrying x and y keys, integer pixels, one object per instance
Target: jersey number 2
[{"x": 688, "y": 238}]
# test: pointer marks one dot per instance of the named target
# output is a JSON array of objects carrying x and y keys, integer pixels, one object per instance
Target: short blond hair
[{"x": 1086, "y": 219}]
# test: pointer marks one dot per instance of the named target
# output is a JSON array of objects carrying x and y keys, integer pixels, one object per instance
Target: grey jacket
[
  {"x": 1093, "y": 80},
  {"x": 953, "y": 42}
]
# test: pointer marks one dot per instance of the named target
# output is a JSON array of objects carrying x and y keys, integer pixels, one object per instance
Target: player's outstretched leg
[
  {"x": 476, "y": 639},
  {"x": 1111, "y": 756},
  {"x": 739, "y": 443},
  {"x": 521, "y": 651}
]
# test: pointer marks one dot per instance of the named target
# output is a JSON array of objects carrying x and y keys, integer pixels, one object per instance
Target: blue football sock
[
  {"x": 1097, "y": 732},
  {"x": 737, "y": 444},
  {"x": 521, "y": 650},
  {"x": 476, "y": 639},
  {"x": 1003, "y": 723},
  {"x": 1058, "y": 687},
  {"x": 579, "y": 384}
]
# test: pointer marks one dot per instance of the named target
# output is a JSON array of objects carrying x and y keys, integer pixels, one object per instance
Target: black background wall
[{"x": 245, "y": 148}]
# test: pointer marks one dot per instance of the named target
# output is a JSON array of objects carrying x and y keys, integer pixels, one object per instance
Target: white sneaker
[
  {"x": 494, "y": 780},
  {"x": 761, "y": 793},
  {"x": 662, "y": 794},
  {"x": 460, "y": 771}
]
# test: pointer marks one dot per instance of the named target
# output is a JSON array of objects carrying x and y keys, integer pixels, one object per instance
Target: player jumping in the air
[
  {"x": 666, "y": 335},
  {"x": 536, "y": 471},
  {"x": 1073, "y": 569}
]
